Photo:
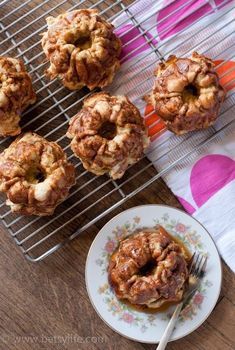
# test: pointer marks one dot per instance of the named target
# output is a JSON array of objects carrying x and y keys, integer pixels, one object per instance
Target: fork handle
[{"x": 170, "y": 327}]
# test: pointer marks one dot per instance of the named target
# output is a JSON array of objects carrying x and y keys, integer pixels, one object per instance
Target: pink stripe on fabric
[
  {"x": 189, "y": 15},
  {"x": 139, "y": 44}
]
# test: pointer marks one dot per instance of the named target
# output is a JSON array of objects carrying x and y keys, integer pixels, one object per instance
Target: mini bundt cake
[
  {"x": 82, "y": 49},
  {"x": 16, "y": 94},
  {"x": 149, "y": 269},
  {"x": 108, "y": 134},
  {"x": 35, "y": 175},
  {"x": 186, "y": 93}
]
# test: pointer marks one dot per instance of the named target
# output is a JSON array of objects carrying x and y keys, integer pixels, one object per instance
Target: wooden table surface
[
  {"x": 42, "y": 302},
  {"x": 45, "y": 305}
]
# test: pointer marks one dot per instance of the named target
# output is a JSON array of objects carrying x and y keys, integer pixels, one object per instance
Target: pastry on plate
[
  {"x": 187, "y": 94},
  {"x": 16, "y": 94},
  {"x": 149, "y": 269},
  {"x": 35, "y": 175},
  {"x": 108, "y": 134},
  {"x": 82, "y": 49}
]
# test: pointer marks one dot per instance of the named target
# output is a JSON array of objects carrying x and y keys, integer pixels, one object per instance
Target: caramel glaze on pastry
[
  {"x": 82, "y": 49},
  {"x": 35, "y": 175},
  {"x": 16, "y": 94},
  {"x": 108, "y": 134},
  {"x": 149, "y": 269},
  {"x": 186, "y": 93}
]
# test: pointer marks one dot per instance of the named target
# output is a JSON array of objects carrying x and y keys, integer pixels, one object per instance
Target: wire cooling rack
[{"x": 21, "y": 23}]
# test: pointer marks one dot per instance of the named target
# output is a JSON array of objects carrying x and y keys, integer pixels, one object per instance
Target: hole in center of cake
[
  {"x": 190, "y": 93},
  {"x": 35, "y": 175},
  {"x": 191, "y": 90},
  {"x": 108, "y": 130},
  {"x": 83, "y": 42},
  {"x": 147, "y": 269}
]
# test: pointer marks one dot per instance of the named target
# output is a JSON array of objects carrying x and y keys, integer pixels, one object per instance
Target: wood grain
[
  {"x": 45, "y": 305},
  {"x": 49, "y": 298}
]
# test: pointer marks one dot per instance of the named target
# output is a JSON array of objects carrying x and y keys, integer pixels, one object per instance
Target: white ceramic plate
[{"x": 136, "y": 325}]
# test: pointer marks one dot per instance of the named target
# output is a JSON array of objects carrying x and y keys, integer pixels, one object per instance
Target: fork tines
[{"x": 198, "y": 265}]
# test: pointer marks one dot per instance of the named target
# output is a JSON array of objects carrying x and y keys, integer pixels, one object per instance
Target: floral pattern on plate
[
  {"x": 121, "y": 317},
  {"x": 189, "y": 237},
  {"x": 196, "y": 302},
  {"x": 125, "y": 313},
  {"x": 118, "y": 234}
]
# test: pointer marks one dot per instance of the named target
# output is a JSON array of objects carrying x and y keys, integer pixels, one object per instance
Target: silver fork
[{"x": 196, "y": 271}]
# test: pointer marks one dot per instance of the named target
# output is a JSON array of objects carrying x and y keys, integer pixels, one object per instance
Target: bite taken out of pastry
[
  {"x": 82, "y": 49},
  {"x": 187, "y": 94},
  {"x": 16, "y": 94},
  {"x": 35, "y": 175},
  {"x": 108, "y": 134}
]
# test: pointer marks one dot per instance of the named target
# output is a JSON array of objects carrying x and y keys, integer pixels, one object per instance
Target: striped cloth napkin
[{"x": 204, "y": 181}]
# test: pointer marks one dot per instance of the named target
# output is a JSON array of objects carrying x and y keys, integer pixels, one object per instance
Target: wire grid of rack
[{"x": 92, "y": 197}]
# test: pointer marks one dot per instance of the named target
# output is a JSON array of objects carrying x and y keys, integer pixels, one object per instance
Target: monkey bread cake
[
  {"x": 187, "y": 94},
  {"x": 35, "y": 175},
  {"x": 82, "y": 49},
  {"x": 149, "y": 269},
  {"x": 108, "y": 134},
  {"x": 16, "y": 94}
]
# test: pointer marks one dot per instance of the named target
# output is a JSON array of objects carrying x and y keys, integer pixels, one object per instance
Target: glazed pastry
[
  {"x": 82, "y": 49},
  {"x": 108, "y": 134},
  {"x": 35, "y": 175},
  {"x": 186, "y": 93},
  {"x": 16, "y": 94},
  {"x": 149, "y": 269}
]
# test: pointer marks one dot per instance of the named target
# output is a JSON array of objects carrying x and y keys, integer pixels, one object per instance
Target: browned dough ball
[
  {"x": 16, "y": 94},
  {"x": 148, "y": 269},
  {"x": 108, "y": 134},
  {"x": 186, "y": 93},
  {"x": 82, "y": 49},
  {"x": 35, "y": 175}
]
